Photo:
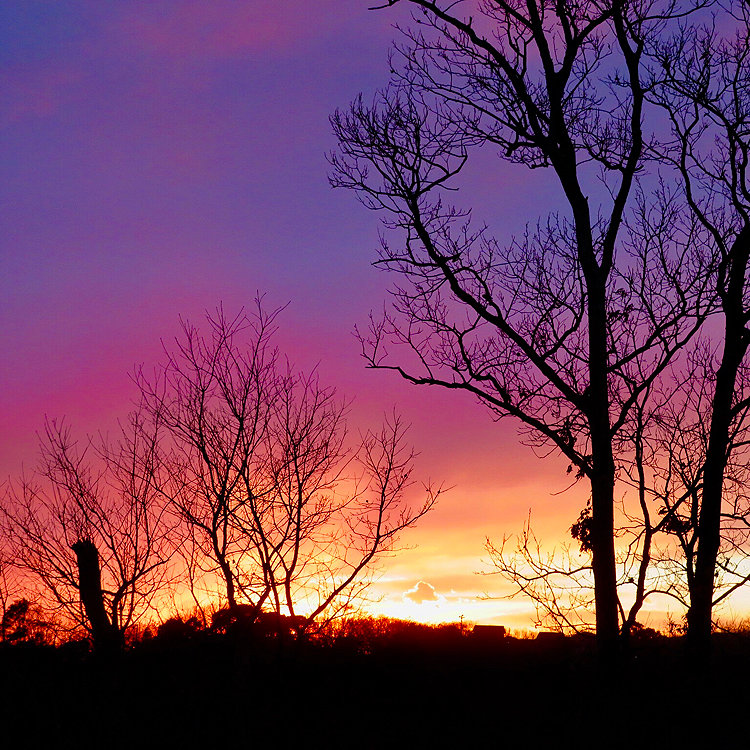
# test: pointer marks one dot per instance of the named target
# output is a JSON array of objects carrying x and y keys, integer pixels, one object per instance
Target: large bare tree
[{"x": 566, "y": 327}]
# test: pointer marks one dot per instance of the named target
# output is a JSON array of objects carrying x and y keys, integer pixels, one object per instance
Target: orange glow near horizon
[{"x": 163, "y": 158}]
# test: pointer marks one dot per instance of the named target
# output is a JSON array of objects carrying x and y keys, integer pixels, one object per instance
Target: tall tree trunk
[
  {"x": 602, "y": 479},
  {"x": 603, "y": 558},
  {"x": 226, "y": 572},
  {"x": 709, "y": 520},
  {"x": 106, "y": 636},
  {"x": 736, "y": 340}
]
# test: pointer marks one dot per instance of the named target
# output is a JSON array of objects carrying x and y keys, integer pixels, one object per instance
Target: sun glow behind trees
[
  {"x": 586, "y": 327},
  {"x": 236, "y": 479},
  {"x": 150, "y": 182}
]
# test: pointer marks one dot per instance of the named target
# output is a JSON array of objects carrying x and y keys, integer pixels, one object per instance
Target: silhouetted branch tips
[{"x": 103, "y": 493}]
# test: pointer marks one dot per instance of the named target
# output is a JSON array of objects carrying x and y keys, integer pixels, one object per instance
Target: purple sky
[{"x": 161, "y": 157}]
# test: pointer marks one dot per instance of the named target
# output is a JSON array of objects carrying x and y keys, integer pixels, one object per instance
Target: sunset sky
[{"x": 162, "y": 157}]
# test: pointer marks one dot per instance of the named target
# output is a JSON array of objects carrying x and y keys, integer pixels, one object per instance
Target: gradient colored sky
[{"x": 160, "y": 157}]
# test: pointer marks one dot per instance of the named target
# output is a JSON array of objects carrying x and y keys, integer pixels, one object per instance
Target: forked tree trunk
[{"x": 106, "y": 636}]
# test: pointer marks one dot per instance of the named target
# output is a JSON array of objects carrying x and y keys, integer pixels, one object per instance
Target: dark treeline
[{"x": 367, "y": 682}]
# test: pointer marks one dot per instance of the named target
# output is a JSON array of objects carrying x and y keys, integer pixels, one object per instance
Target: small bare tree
[
  {"x": 212, "y": 398},
  {"x": 335, "y": 508},
  {"x": 673, "y": 478},
  {"x": 262, "y": 472},
  {"x": 557, "y": 582},
  {"x": 99, "y": 501}
]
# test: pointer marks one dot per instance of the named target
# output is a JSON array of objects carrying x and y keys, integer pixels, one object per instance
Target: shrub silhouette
[{"x": 23, "y": 623}]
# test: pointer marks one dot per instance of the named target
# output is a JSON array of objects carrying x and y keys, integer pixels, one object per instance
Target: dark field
[{"x": 424, "y": 688}]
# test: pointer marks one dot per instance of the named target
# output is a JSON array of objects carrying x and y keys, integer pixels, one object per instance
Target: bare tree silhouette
[
  {"x": 89, "y": 528},
  {"x": 678, "y": 440},
  {"x": 658, "y": 534},
  {"x": 213, "y": 397},
  {"x": 702, "y": 85},
  {"x": 273, "y": 493},
  {"x": 567, "y": 327}
]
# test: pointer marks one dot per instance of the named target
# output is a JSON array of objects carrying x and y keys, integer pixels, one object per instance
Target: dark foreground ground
[{"x": 231, "y": 692}]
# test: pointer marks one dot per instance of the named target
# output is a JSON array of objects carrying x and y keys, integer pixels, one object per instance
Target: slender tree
[
  {"x": 703, "y": 84},
  {"x": 678, "y": 446},
  {"x": 212, "y": 399}
]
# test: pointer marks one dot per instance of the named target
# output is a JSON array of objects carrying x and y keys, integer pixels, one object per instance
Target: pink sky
[{"x": 161, "y": 157}]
